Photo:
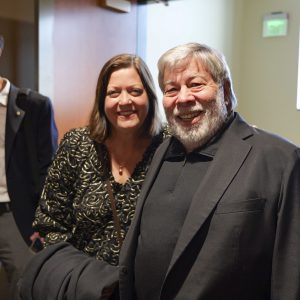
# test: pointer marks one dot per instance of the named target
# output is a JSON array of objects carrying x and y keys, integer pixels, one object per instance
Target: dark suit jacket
[
  {"x": 62, "y": 272},
  {"x": 30, "y": 142},
  {"x": 241, "y": 236}
]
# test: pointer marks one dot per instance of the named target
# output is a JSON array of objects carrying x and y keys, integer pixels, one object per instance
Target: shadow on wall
[{"x": 19, "y": 60}]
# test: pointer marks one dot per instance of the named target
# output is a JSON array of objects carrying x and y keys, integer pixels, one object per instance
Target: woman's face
[{"x": 126, "y": 103}]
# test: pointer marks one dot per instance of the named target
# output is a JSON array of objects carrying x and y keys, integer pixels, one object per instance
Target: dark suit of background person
[
  {"x": 236, "y": 234},
  {"x": 29, "y": 135}
]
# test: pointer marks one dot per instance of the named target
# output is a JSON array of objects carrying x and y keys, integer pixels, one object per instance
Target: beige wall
[
  {"x": 214, "y": 22},
  {"x": 21, "y": 10},
  {"x": 268, "y": 70},
  {"x": 19, "y": 60},
  {"x": 76, "y": 38},
  {"x": 264, "y": 70}
]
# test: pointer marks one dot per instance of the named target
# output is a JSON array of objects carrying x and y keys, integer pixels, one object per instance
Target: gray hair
[{"x": 213, "y": 61}]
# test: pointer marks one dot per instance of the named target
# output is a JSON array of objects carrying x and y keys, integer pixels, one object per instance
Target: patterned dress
[{"x": 75, "y": 206}]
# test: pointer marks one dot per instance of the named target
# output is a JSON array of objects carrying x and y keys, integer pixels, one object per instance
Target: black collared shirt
[{"x": 164, "y": 213}]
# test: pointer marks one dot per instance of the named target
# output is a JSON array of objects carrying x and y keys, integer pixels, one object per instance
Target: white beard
[{"x": 199, "y": 134}]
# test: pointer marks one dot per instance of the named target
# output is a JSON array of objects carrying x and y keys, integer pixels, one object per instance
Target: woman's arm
[{"x": 54, "y": 218}]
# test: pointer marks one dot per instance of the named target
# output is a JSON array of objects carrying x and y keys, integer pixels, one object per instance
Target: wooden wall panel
[{"x": 86, "y": 35}]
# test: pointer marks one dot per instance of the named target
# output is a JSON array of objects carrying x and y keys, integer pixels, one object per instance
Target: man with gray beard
[{"x": 219, "y": 213}]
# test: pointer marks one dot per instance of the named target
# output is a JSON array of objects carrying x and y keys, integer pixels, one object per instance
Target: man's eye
[
  {"x": 195, "y": 86},
  {"x": 136, "y": 92},
  {"x": 170, "y": 91},
  {"x": 113, "y": 94}
]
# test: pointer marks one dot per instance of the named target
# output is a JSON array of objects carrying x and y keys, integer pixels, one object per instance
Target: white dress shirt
[{"x": 3, "y": 108}]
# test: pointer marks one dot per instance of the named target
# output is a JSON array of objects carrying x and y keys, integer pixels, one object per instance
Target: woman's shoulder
[
  {"x": 77, "y": 134},
  {"x": 77, "y": 139}
]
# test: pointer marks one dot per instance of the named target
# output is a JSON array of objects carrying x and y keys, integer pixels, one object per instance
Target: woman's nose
[{"x": 125, "y": 98}]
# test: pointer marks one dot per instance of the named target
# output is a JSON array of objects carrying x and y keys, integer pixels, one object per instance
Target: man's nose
[{"x": 185, "y": 95}]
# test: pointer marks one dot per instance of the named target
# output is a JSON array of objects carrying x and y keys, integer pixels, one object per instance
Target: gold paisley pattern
[{"x": 75, "y": 206}]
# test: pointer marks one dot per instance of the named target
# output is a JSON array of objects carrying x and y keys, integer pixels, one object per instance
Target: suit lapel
[
  {"x": 232, "y": 153},
  {"x": 128, "y": 248},
  {"x": 128, "y": 251},
  {"x": 14, "y": 119}
]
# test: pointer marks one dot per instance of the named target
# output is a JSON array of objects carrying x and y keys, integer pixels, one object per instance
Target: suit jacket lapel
[
  {"x": 129, "y": 245},
  {"x": 127, "y": 254},
  {"x": 14, "y": 119},
  {"x": 228, "y": 160}
]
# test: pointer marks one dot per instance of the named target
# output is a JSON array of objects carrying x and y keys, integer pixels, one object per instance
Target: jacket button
[{"x": 124, "y": 271}]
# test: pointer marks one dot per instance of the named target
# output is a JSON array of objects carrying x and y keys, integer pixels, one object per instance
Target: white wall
[
  {"x": 264, "y": 70},
  {"x": 268, "y": 70},
  {"x": 211, "y": 22},
  {"x": 46, "y": 47}
]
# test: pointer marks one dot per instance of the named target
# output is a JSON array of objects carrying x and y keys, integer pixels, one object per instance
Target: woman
[{"x": 92, "y": 187}]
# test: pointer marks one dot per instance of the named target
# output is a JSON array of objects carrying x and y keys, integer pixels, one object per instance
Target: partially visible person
[
  {"x": 219, "y": 212},
  {"x": 28, "y": 141},
  {"x": 92, "y": 187}
]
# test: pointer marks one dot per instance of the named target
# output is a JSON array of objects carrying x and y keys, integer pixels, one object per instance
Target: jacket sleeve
[
  {"x": 47, "y": 139},
  {"x": 54, "y": 218},
  {"x": 61, "y": 272},
  {"x": 285, "y": 281}
]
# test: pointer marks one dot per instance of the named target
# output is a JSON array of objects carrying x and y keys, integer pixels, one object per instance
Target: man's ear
[{"x": 227, "y": 94}]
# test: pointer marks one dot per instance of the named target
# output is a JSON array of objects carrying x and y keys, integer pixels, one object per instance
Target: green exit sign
[{"x": 275, "y": 24}]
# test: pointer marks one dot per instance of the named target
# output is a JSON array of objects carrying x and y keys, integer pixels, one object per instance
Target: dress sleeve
[
  {"x": 46, "y": 140},
  {"x": 54, "y": 218}
]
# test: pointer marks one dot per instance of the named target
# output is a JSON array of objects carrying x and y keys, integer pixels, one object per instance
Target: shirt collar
[
  {"x": 177, "y": 150},
  {"x": 4, "y": 93}
]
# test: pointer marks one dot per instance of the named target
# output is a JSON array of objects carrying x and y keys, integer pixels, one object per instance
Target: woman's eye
[
  {"x": 113, "y": 94},
  {"x": 136, "y": 92}
]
